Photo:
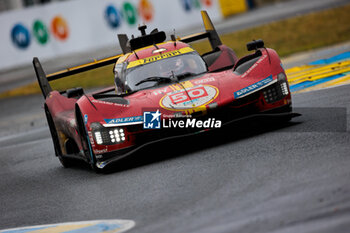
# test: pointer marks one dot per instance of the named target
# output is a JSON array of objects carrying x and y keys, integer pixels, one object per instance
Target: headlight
[
  {"x": 98, "y": 138},
  {"x": 278, "y": 90},
  {"x": 116, "y": 135},
  {"x": 281, "y": 77},
  {"x": 284, "y": 88},
  {"x": 107, "y": 136},
  {"x": 282, "y": 80}
]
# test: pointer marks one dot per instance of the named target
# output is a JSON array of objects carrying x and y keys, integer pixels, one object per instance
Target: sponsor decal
[
  {"x": 109, "y": 103},
  {"x": 151, "y": 120},
  {"x": 129, "y": 13},
  {"x": 125, "y": 121},
  {"x": 100, "y": 151},
  {"x": 59, "y": 28},
  {"x": 160, "y": 91},
  {"x": 205, "y": 80},
  {"x": 101, "y": 164},
  {"x": 21, "y": 35},
  {"x": 188, "y": 5},
  {"x": 40, "y": 32},
  {"x": 207, "y": 3},
  {"x": 253, "y": 87},
  {"x": 85, "y": 119},
  {"x": 146, "y": 10},
  {"x": 189, "y": 98},
  {"x": 112, "y": 16},
  {"x": 159, "y": 57},
  {"x": 254, "y": 66}
]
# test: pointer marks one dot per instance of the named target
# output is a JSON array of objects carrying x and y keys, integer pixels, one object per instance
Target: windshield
[{"x": 185, "y": 65}]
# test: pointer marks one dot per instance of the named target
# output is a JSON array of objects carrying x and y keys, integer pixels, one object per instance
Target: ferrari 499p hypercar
[{"x": 163, "y": 89}]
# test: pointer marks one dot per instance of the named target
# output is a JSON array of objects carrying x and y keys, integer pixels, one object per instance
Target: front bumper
[{"x": 148, "y": 137}]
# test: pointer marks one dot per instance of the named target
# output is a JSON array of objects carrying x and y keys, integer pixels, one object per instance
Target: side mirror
[{"x": 255, "y": 44}]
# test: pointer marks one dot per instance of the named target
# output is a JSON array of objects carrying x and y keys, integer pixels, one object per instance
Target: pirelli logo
[{"x": 159, "y": 57}]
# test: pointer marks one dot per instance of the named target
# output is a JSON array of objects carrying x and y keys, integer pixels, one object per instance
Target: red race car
[{"x": 163, "y": 89}]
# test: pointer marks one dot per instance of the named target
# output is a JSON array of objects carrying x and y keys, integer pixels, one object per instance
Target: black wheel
[
  {"x": 66, "y": 162},
  {"x": 85, "y": 141}
]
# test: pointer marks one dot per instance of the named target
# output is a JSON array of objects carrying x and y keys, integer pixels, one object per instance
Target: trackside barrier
[
  {"x": 64, "y": 28},
  {"x": 231, "y": 7}
]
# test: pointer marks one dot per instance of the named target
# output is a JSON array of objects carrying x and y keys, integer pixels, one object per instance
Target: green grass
[
  {"x": 101, "y": 77},
  {"x": 98, "y": 77},
  {"x": 288, "y": 36},
  {"x": 293, "y": 35}
]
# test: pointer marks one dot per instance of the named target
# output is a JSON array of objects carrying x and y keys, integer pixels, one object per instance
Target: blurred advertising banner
[
  {"x": 231, "y": 7},
  {"x": 63, "y": 28}
]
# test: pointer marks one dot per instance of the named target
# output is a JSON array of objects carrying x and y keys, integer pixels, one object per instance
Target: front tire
[
  {"x": 66, "y": 162},
  {"x": 85, "y": 141}
]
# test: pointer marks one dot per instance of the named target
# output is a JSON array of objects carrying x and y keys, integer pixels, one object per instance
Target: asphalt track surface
[{"x": 256, "y": 177}]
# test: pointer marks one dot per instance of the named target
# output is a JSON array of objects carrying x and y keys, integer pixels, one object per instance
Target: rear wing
[
  {"x": 44, "y": 79},
  {"x": 128, "y": 45},
  {"x": 209, "y": 33}
]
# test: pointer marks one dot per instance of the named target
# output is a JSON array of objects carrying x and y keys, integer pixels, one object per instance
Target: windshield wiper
[
  {"x": 155, "y": 79},
  {"x": 186, "y": 74}
]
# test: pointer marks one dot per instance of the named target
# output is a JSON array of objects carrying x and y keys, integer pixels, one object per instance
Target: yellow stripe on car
[{"x": 159, "y": 57}]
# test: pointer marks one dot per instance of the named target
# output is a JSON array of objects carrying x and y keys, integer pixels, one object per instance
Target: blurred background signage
[{"x": 49, "y": 29}]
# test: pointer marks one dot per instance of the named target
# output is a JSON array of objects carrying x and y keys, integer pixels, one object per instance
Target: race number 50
[{"x": 191, "y": 94}]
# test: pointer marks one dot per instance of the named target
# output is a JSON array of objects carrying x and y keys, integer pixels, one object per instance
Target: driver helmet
[{"x": 179, "y": 65}]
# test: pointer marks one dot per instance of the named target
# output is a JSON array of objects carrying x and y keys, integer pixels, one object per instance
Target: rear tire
[{"x": 66, "y": 162}]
